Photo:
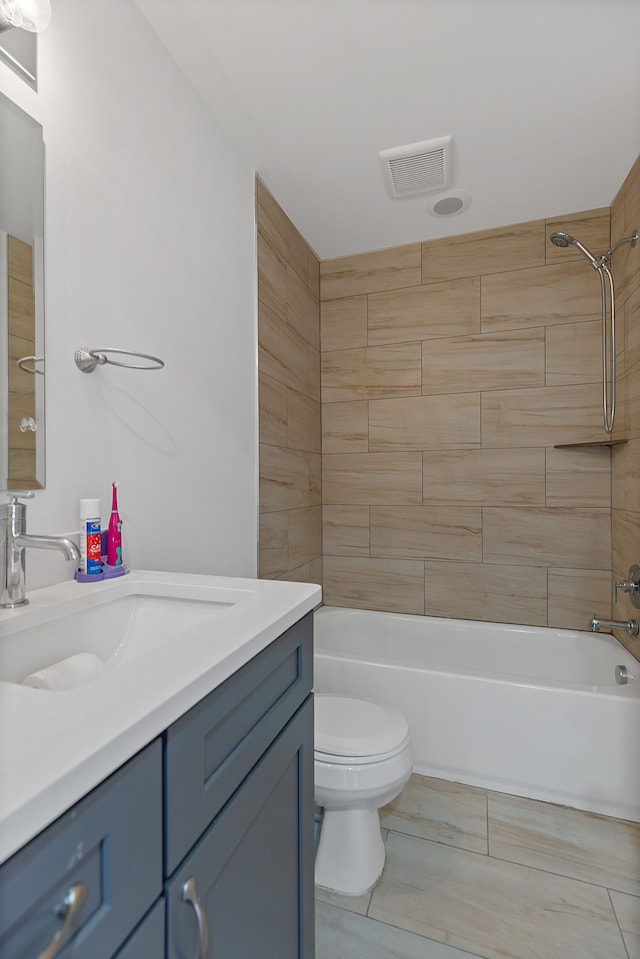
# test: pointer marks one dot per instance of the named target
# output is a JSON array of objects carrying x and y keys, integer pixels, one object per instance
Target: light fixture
[
  {"x": 450, "y": 203},
  {"x": 31, "y": 15}
]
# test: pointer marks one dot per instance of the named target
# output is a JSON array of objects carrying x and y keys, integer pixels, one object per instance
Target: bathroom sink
[{"x": 114, "y": 626}]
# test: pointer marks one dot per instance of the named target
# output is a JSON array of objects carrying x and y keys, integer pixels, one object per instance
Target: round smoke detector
[{"x": 450, "y": 203}]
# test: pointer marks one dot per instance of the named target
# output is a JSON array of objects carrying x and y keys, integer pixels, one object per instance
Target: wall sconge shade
[{"x": 32, "y": 15}]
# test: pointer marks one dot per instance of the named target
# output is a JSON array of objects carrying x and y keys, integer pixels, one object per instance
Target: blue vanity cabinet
[
  {"x": 105, "y": 852},
  {"x": 239, "y": 844}
]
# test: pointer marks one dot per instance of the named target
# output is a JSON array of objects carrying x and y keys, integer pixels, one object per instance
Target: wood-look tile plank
[
  {"x": 390, "y": 585},
  {"x": 282, "y": 353},
  {"x": 345, "y": 530},
  {"x": 372, "y": 478},
  {"x": 627, "y": 909},
  {"x": 303, "y": 422},
  {"x": 495, "y": 909},
  {"x": 371, "y": 372},
  {"x": 542, "y": 417},
  {"x": 285, "y": 479},
  {"x": 547, "y": 536},
  {"x": 568, "y": 842},
  {"x": 345, "y": 427},
  {"x": 274, "y": 544},
  {"x": 272, "y": 278},
  {"x": 483, "y": 361},
  {"x": 421, "y": 313},
  {"x": 343, "y": 324},
  {"x": 560, "y": 293},
  {"x": 485, "y": 477},
  {"x": 305, "y": 535},
  {"x": 303, "y": 308},
  {"x": 591, "y": 227},
  {"x": 519, "y": 246},
  {"x": 578, "y": 477},
  {"x": 491, "y": 593},
  {"x": 574, "y": 594},
  {"x": 273, "y": 411},
  {"x": 448, "y": 420},
  {"x": 573, "y": 353},
  {"x": 443, "y": 811},
  {"x": 389, "y": 269},
  {"x": 423, "y": 532}
]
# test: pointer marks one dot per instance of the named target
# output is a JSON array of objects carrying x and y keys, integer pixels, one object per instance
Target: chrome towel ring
[{"x": 87, "y": 360}]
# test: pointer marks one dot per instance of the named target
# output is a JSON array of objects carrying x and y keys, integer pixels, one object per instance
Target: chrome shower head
[{"x": 564, "y": 240}]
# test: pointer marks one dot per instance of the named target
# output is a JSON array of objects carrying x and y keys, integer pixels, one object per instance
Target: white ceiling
[{"x": 542, "y": 98}]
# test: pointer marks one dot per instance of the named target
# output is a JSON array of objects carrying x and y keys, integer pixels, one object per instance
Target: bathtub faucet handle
[{"x": 630, "y": 585}]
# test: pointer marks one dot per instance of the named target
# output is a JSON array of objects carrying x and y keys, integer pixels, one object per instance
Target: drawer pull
[
  {"x": 190, "y": 895},
  {"x": 67, "y": 911}
]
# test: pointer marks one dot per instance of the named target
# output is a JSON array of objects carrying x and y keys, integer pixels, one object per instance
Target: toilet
[{"x": 362, "y": 760}]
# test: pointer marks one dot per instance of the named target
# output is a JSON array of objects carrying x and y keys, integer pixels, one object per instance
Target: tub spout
[{"x": 630, "y": 626}]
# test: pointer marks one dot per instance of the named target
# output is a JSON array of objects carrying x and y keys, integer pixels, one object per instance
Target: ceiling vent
[{"x": 419, "y": 167}]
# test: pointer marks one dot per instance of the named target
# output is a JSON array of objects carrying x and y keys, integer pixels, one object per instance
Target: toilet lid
[{"x": 357, "y": 727}]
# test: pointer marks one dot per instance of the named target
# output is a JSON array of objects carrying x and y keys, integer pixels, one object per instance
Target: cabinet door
[
  {"x": 252, "y": 871},
  {"x": 107, "y": 850},
  {"x": 147, "y": 942}
]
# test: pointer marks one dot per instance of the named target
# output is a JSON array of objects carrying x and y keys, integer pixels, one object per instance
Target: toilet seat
[{"x": 356, "y": 731}]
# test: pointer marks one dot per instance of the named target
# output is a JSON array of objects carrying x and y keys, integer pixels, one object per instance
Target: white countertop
[{"x": 56, "y": 746}]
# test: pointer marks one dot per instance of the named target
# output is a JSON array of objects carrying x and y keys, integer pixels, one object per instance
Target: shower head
[{"x": 565, "y": 239}]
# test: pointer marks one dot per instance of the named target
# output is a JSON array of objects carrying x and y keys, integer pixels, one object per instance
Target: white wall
[{"x": 150, "y": 245}]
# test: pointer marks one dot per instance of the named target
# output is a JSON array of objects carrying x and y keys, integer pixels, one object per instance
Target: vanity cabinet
[{"x": 200, "y": 846}]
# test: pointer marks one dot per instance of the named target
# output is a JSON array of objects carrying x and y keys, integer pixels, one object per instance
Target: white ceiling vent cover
[{"x": 419, "y": 167}]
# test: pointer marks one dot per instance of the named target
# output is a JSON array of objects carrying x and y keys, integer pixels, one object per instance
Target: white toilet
[{"x": 363, "y": 758}]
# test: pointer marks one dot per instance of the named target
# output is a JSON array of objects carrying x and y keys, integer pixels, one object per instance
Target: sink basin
[{"x": 116, "y": 626}]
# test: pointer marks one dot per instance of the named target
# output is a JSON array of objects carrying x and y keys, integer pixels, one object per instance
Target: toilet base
[{"x": 351, "y": 853}]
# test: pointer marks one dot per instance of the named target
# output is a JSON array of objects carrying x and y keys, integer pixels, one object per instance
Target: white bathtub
[{"x": 526, "y": 710}]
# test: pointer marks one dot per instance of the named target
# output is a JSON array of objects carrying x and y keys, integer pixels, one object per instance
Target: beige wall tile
[
  {"x": 304, "y": 432},
  {"x": 371, "y": 372},
  {"x": 302, "y": 308},
  {"x": 632, "y": 327},
  {"x": 422, "y": 532},
  {"x": 273, "y": 411},
  {"x": 483, "y": 361},
  {"x": 509, "y": 477},
  {"x": 497, "y": 594},
  {"x": 315, "y": 479},
  {"x": 591, "y": 228},
  {"x": 425, "y": 422},
  {"x": 282, "y": 353},
  {"x": 573, "y": 353},
  {"x": 391, "y": 585},
  {"x": 579, "y": 477},
  {"x": 541, "y": 297},
  {"x": 274, "y": 544},
  {"x": 283, "y": 236},
  {"x": 542, "y": 417},
  {"x": 390, "y": 269},
  {"x": 343, "y": 323},
  {"x": 535, "y": 536},
  {"x": 345, "y": 427},
  {"x": 632, "y": 476},
  {"x": 307, "y": 573},
  {"x": 313, "y": 362},
  {"x": 618, "y": 478},
  {"x": 515, "y": 247},
  {"x": 285, "y": 479},
  {"x": 626, "y": 541},
  {"x": 372, "y": 478},
  {"x": 305, "y": 535},
  {"x": 420, "y": 313},
  {"x": 575, "y": 594},
  {"x": 345, "y": 530},
  {"x": 272, "y": 278}
]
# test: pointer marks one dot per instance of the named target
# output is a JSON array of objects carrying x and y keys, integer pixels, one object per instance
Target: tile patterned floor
[{"x": 474, "y": 874}]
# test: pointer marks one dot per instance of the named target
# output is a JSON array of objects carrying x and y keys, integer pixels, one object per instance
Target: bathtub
[{"x": 526, "y": 710}]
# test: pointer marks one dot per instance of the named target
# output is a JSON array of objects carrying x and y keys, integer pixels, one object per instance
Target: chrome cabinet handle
[
  {"x": 67, "y": 911},
  {"x": 190, "y": 895}
]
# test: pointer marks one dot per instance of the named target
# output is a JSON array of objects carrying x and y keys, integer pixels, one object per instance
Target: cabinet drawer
[
  {"x": 211, "y": 749},
  {"x": 109, "y": 844}
]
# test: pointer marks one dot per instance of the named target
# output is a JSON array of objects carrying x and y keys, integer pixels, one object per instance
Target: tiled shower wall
[
  {"x": 453, "y": 372},
  {"x": 289, "y": 397},
  {"x": 625, "y": 218}
]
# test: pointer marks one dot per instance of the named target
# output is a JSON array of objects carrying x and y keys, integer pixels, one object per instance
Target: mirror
[{"x": 22, "y": 368}]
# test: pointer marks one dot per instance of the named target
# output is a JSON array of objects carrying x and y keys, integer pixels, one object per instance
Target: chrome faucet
[
  {"x": 13, "y": 541},
  {"x": 630, "y": 626}
]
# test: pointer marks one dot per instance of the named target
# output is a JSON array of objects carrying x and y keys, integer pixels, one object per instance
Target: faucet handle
[
  {"x": 15, "y": 495},
  {"x": 630, "y": 585}
]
